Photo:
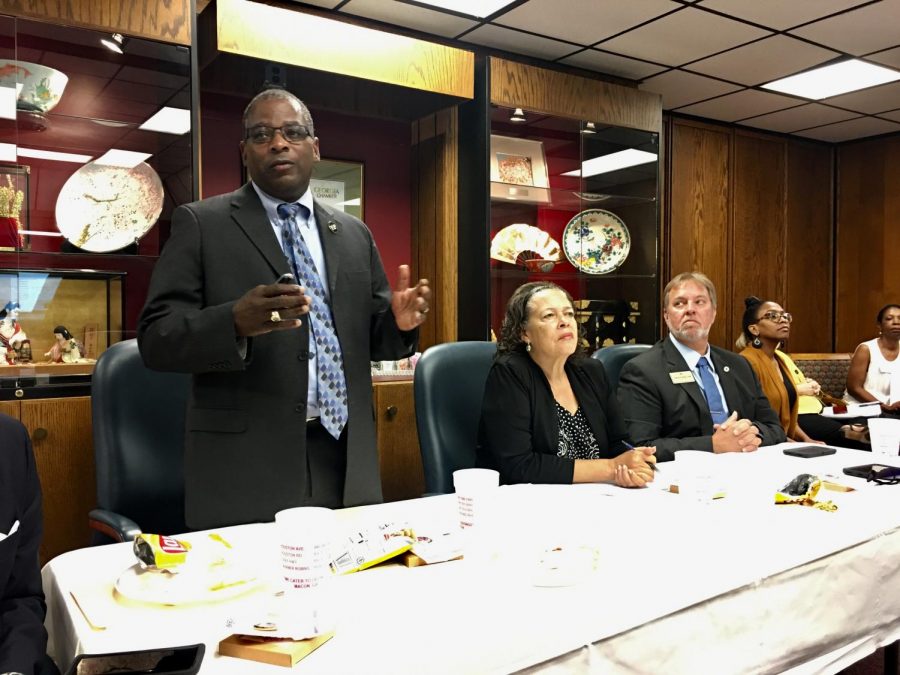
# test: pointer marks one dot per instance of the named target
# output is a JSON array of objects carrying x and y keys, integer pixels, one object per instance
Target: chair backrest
[
  {"x": 138, "y": 419},
  {"x": 616, "y": 356},
  {"x": 829, "y": 370},
  {"x": 449, "y": 386}
]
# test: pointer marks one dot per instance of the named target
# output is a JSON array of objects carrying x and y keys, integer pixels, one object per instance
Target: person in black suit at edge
[
  {"x": 280, "y": 413},
  {"x": 684, "y": 394},
  {"x": 23, "y": 639}
]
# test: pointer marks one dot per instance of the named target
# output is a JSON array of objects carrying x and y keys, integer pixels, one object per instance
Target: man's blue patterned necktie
[
  {"x": 329, "y": 361},
  {"x": 711, "y": 391}
]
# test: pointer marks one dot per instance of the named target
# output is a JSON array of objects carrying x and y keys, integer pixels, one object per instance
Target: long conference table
[{"x": 679, "y": 583}]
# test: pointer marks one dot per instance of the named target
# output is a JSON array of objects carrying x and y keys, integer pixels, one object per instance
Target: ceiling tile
[
  {"x": 679, "y": 88},
  {"x": 764, "y": 60},
  {"x": 410, "y": 16},
  {"x": 584, "y": 21},
  {"x": 779, "y": 14},
  {"x": 518, "y": 42},
  {"x": 891, "y": 115},
  {"x": 612, "y": 64},
  {"x": 851, "y": 129},
  {"x": 739, "y": 105},
  {"x": 801, "y": 117},
  {"x": 871, "y": 100},
  {"x": 889, "y": 57},
  {"x": 861, "y": 31},
  {"x": 683, "y": 36}
]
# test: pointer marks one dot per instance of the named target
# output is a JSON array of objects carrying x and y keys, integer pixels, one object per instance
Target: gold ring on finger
[{"x": 275, "y": 317}]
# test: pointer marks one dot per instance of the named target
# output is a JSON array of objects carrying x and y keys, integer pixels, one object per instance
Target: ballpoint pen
[{"x": 631, "y": 447}]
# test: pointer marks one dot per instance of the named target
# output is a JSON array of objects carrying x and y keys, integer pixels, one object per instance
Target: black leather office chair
[
  {"x": 449, "y": 385},
  {"x": 138, "y": 419},
  {"x": 616, "y": 356}
]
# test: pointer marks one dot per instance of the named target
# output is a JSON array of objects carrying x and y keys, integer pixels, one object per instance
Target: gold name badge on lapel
[
  {"x": 332, "y": 226},
  {"x": 681, "y": 377}
]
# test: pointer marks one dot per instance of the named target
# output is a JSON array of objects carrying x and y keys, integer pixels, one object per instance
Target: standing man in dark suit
[
  {"x": 684, "y": 394},
  {"x": 23, "y": 640},
  {"x": 281, "y": 408}
]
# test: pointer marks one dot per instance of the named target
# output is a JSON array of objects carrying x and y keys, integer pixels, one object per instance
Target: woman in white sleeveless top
[{"x": 875, "y": 367}]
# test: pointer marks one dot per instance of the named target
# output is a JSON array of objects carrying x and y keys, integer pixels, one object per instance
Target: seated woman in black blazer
[{"x": 549, "y": 414}]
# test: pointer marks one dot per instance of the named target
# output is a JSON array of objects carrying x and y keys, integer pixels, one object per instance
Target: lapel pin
[
  {"x": 332, "y": 226},
  {"x": 726, "y": 369}
]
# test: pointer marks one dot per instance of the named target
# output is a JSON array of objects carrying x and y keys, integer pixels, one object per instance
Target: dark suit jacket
[
  {"x": 23, "y": 640},
  {"x": 245, "y": 454},
  {"x": 519, "y": 431},
  {"x": 676, "y": 416}
]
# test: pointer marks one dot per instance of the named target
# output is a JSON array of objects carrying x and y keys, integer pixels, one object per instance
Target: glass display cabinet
[
  {"x": 95, "y": 153},
  {"x": 575, "y": 202}
]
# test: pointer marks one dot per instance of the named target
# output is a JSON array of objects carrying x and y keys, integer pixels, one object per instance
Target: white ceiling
[{"x": 706, "y": 58}]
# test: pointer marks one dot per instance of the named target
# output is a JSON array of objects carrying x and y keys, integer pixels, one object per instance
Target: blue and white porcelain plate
[{"x": 596, "y": 241}]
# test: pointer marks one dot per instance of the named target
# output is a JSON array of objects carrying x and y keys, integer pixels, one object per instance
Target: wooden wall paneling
[
  {"x": 517, "y": 85},
  {"x": 168, "y": 21},
  {"x": 758, "y": 230},
  {"x": 435, "y": 221},
  {"x": 809, "y": 246},
  {"x": 699, "y": 220},
  {"x": 64, "y": 450},
  {"x": 868, "y": 238},
  {"x": 245, "y": 28},
  {"x": 402, "y": 476},
  {"x": 11, "y": 408}
]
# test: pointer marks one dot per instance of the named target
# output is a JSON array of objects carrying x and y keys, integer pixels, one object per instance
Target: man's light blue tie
[
  {"x": 711, "y": 391},
  {"x": 329, "y": 360}
]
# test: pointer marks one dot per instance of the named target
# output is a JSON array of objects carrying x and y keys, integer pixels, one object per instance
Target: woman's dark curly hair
[{"x": 517, "y": 316}]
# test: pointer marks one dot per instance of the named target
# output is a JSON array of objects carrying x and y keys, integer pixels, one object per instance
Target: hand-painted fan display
[{"x": 513, "y": 240}]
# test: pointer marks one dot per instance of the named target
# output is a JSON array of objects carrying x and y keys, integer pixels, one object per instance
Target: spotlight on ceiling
[
  {"x": 115, "y": 43},
  {"x": 517, "y": 116},
  {"x": 589, "y": 128}
]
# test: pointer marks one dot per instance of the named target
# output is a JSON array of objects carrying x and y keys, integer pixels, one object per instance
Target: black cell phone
[
  {"x": 873, "y": 471},
  {"x": 286, "y": 278},
  {"x": 184, "y": 660},
  {"x": 808, "y": 451}
]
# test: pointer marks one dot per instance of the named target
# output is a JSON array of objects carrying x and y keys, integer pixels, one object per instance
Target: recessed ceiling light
[
  {"x": 613, "y": 162},
  {"x": 477, "y": 8},
  {"x": 123, "y": 158},
  {"x": 8, "y": 98},
  {"x": 114, "y": 43},
  {"x": 55, "y": 156},
  {"x": 838, "y": 78},
  {"x": 517, "y": 116},
  {"x": 169, "y": 121}
]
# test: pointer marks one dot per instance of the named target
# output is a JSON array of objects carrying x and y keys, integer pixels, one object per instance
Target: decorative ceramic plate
[
  {"x": 517, "y": 238},
  {"x": 596, "y": 241},
  {"x": 162, "y": 588},
  {"x": 104, "y": 208}
]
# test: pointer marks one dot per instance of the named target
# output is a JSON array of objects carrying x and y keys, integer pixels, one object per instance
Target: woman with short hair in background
[{"x": 874, "y": 373}]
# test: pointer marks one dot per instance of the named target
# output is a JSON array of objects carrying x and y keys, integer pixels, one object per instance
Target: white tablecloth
[{"x": 681, "y": 585}]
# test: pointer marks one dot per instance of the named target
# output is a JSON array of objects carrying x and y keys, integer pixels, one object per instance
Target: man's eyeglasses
[
  {"x": 776, "y": 317},
  {"x": 292, "y": 133}
]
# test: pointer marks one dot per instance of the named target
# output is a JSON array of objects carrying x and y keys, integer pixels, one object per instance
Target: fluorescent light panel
[
  {"x": 838, "y": 78},
  {"x": 123, "y": 158},
  {"x": 169, "y": 121},
  {"x": 8, "y": 96},
  {"x": 479, "y": 8},
  {"x": 613, "y": 162},
  {"x": 55, "y": 156}
]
